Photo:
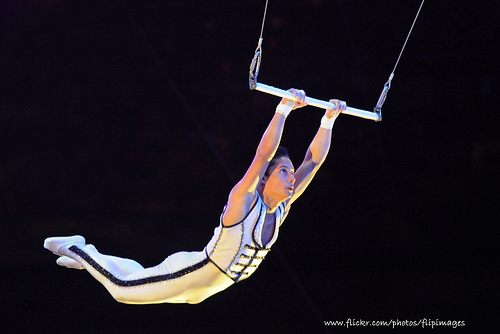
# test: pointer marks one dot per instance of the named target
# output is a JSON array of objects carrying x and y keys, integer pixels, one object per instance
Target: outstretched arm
[
  {"x": 244, "y": 193},
  {"x": 317, "y": 151}
]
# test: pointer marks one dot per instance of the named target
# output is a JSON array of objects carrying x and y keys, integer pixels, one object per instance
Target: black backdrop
[{"x": 130, "y": 121}]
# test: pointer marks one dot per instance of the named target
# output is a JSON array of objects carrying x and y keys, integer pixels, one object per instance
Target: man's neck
[{"x": 270, "y": 202}]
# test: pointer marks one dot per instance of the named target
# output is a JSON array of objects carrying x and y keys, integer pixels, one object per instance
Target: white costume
[{"x": 233, "y": 254}]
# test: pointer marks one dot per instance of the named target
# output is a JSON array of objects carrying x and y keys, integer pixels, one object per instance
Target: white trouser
[{"x": 183, "y": 277}]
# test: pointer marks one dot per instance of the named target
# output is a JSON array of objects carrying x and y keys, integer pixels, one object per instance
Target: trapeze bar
[{"x": 316, "y": 103}]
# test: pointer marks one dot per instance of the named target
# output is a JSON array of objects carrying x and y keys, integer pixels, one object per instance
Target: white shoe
[
  {"x": 57, "y": 245},
  {"x": 68, "y": 262}
]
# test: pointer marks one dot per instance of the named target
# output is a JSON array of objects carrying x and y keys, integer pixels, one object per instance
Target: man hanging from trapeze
[{"x": 249, "y": 225}]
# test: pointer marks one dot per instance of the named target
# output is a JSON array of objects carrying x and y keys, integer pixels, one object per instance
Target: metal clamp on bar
[
  {"x": 315, "y": 102},
  {"x": 382, "y": 97}
]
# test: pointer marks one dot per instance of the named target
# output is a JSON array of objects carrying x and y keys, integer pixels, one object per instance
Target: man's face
[{"x": 281, "y": 180}]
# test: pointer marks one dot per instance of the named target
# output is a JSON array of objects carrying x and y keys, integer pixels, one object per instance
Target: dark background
[{"x": 129, "y": 122}]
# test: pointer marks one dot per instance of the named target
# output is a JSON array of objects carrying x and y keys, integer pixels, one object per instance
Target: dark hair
[{"x": 280, "y": 153}]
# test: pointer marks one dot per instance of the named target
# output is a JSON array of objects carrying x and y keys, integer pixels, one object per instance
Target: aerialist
[{"x": 249, "y": 226}]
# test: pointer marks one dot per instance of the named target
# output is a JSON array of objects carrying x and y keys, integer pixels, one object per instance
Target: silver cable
[{"x": 387, "y": 86}]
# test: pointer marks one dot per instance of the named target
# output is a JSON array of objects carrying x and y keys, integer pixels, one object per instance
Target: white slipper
[
  {"x": 68, "y": 262},
  {"x": 57, "y": 245}
]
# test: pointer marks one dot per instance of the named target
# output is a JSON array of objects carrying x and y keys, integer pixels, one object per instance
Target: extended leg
[{"x": 184, "y": 277}]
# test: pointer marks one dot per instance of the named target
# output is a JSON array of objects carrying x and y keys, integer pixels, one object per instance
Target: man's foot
[
  {"x": 59, "y": 245},
  {"x": 68, "y": 262}
]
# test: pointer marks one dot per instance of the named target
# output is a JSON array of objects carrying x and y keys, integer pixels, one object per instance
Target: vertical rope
[
  {"x": 408, "y": 36},
  {"x": 263, "y": 21}
]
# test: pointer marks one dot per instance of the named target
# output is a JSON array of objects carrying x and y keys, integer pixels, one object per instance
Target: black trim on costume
[
  {"x": 242, "y": 272},
  {"x": 239, "y": 274},
  {"x": 140, "y": 281},
  {"x": 217, "y": 266},
  {"x": 255, "y": 223}
]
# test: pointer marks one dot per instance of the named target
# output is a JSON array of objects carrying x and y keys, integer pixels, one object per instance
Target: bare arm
[
  {"x": 317, "y": 151},
  {"x": 244, "y": 193}
]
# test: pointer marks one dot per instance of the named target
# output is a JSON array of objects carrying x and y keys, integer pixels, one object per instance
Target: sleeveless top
[{"x": 238, "y": 250}]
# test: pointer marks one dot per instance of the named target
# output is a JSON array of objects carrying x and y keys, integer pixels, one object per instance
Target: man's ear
[{"x": 262, "y": 182}]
